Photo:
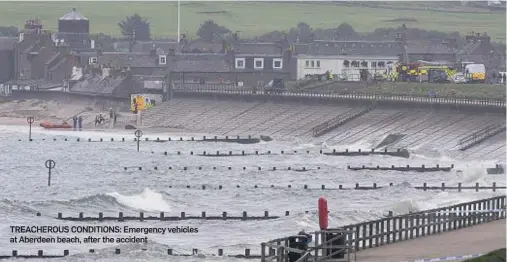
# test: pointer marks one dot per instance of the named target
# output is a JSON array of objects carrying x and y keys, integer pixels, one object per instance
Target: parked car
[{"x": 459, "y": 78}]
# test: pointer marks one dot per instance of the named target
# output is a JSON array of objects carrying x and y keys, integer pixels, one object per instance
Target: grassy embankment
[
  {"x": 476, "y": 91},
  {"x": 494, "y": 256},
  {"x": 255, "y": 18}
]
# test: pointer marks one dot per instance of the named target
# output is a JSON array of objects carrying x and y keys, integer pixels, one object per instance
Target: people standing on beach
[{"x": 80, "y": 122}]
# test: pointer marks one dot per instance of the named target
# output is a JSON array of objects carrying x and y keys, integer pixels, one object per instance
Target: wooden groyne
[
  {"x": 163, "y": 217},
  {"x": 421, "y": 169},
  {"x": 170, "y": 252},
  {"x": 398, "y": 153}
]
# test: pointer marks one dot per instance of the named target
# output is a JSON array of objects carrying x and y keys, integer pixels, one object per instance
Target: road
[{"x": 473, "y": 240}]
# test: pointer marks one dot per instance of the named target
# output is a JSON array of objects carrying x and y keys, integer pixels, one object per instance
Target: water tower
[{"x": 73, "y": 27}]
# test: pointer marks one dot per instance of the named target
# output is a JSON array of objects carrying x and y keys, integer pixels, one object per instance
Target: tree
[
  {"x": 210, "y": 31},
  {"x": 136, "y": 27},
  {"x": 8, "y": 31}
]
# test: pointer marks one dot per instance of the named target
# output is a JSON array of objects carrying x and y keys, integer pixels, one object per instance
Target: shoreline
[{"x": 149, "y": 131}]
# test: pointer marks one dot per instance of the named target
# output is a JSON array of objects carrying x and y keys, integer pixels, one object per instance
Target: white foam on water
[
  {"x": 361, "y": 144},
  {"x": 148, "y": 201},
  {"x": 441, "y": 199}
]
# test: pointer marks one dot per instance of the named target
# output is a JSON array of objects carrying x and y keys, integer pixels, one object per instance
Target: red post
[{"x": 323, "y": 213}]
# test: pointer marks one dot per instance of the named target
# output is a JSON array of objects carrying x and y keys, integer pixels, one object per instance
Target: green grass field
[
  {"x": 477, "y": 91},
  {"x": 255, "y": 18}
]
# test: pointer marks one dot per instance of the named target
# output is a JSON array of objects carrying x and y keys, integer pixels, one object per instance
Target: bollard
[
  {"x": 65, "y": 252},
  {"x": 220, "y": 252},
  {"x": 323, "y": 187},
  {"x": 30, "y": 120},
  {"x": 494, "y": 186},
  {"x": 14, "y": 253},
  {"x": 224, "y": 215},
  {"x": 286, "y": 213},
  {"x": 374, "y": 185},
  {"x": 459, "y": 187},
  {"x": 138, "y": 133},
  {"x": 117, "y": 251},
  {"x": 305, "y": 187},
  {"x": 169, "y": 252},
  {"x": 40, "y": 253},
  {"x": 424, "y": 186},
  {"x": 247, "y": 252},
  {"x": 357, "y": 185},
  {"x": 162, "y": 215},
  {"x": 91, "y": 250},
  {"x": 340, "y": 186},
  {"x": 182, "y": 215},
  {"x": 141, "y": 216},
  {"x": 50, "y": 164},
  {"x": 266, "y": 213},
  {"x": 120, "y": 216},
  {"x": 477, "y": 187},
  {"x": 60, "y": 215},
  {"x": 244, "y": 214},
  {"x": 220, "y": 187},
  {"x": 443, "y": 186},
  {"x": 203, "y": 214},
  {"x": 101, "y": 216},
  {"x": 390, "y": 213}
]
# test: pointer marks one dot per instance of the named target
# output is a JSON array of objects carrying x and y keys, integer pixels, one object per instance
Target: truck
[{"x": 474, "y": 73}]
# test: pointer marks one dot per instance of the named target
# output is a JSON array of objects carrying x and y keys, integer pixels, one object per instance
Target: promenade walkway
[{"x": 472, "y": 240}]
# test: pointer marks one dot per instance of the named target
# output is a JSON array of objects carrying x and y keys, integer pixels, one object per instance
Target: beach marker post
[
  {"x": 50, "y": 164},
  {"x": 138, "y": 134},
  {"x": 30, "y": 120}
]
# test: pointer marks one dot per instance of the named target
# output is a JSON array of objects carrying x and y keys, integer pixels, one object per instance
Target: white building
[{"x": 346, "y": 67}]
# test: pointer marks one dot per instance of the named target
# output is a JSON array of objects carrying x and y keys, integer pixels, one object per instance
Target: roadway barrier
[
  {"x": 393, "y": 229},
  {"x": 170, "y": 252},
  {"x": 163, "y": 217},
  {"x": 422, "y": 168},
  {"x": 477, "y": 187}
]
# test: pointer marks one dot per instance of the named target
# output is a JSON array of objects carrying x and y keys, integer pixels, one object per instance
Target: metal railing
[
  {"x": 329, "y": 244},
  {"x": 394, "y": 229},
  {"x": 480, "y": 136},
  {"x": 388, "y": 230},
  {"x": 233, "y": 90}
]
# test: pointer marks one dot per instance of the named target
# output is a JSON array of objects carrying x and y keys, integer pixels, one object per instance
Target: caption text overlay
[{"x": 88, "y": 234}]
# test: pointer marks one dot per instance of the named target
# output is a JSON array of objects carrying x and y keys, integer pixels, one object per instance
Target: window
[
  {"x": 277, "y": 63},
  {"x": 318, "y": 63},
  {"x": 93, "y": 60},
  {"x": 381, "y": 64},
  {"x": 307, "y": 63},
  {"x": 364, "y": 64},
  {"x": 355, "y": 63},
  {"x": 346, "y": 63},
  {"x": 373, "y": 64},
  {"x": 258, "y": 63},
  {"x": 313, "y": 63},
  {"x": 240, "y": 63},
  {"x": 162, "y": 59}
]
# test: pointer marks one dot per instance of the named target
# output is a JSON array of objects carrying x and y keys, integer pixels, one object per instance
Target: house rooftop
[{"x": 73, "y": 15}]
